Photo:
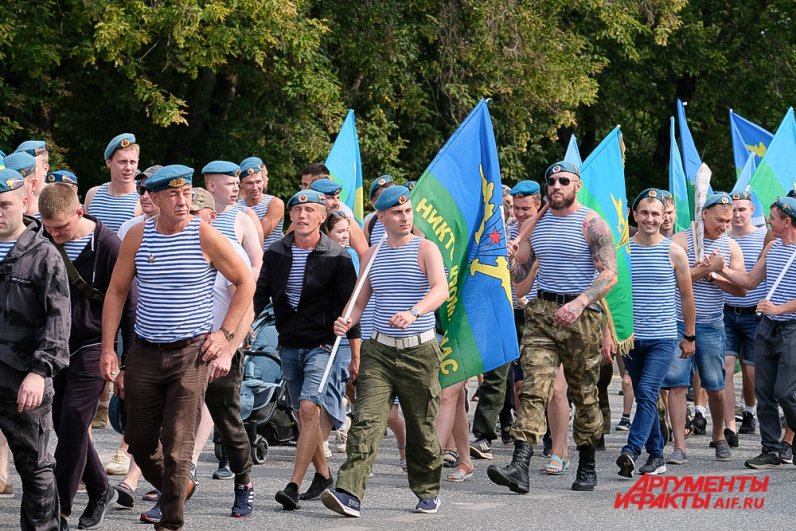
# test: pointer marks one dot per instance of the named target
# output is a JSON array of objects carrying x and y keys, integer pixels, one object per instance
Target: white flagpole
[{"x": 348, "y": 310}]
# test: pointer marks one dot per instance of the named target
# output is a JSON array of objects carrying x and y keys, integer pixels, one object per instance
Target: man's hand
[
  {"x": 109, "y": 365},
  {"x": 353, "y": 369},
  {"x": 512, "y": 248},
  {"x": 118, "y": 385},
  {"x": 402, "y": 319},
  {"x": 568, "y": 313},
  {"x": 767, "y": 308},
  {"x": 31, "y": 392},
  {"x": 342, "y": 325},
  {"x": 716, "y": 261},
  {"x": 219, "y": 367},
  {"x": 608, "y": 350},
  {"x": 687, "y": 348},
  {"x": 215, "y": 345}
]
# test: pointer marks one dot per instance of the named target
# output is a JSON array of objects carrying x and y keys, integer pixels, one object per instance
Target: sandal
[
  {"x": 450, "y": 458},
  {"x": 556, "y": 466},
  {"x": 126, "y": 495},
  {"x": 152, "y": 495},
  {"x": 459, "y": 475},
  {"x": 402, "y": 460}
]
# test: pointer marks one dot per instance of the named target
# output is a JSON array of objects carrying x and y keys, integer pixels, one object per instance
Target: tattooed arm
[{"x": 598, "y": 235}]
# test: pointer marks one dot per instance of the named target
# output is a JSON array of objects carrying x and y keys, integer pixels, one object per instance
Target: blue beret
[
  {"x": 741, "y": 196},
  {"x": 22, "y": 162},
  {"x": 787, "y": 204},
  {"x": 719, "y": 198},
  {"x": 392, "y": 196},
  {"x": 32, "y": 147},
  {"x": 651, "y": 193},
  {"x": 792, "y": 193},
  {"x": 250, "y": 166},
  {"x": 666, "y": 195},
  {"x": 524, "y": 188},
  {"x": 411, "y": 185},
  {"x": 223, "y": 167},
  {"x": 561, "y": 166},
  {"x": 61, "y": 176},
  {"x": 119, "y": 142},
  {"x": 306, "y": 196},
  {"x": 10, "y": 180},
  {"x": 326, "y": 186},
  {"x": 378, "y": 184},
  {"x": 173, "y": 176}
]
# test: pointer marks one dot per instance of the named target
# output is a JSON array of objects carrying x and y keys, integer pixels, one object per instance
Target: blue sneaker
[
  {"x": 428, "y": 505},
  {"x": 153, "y": 515},
  {"x": 341, "y": 502},
  {"x": 244, "y": 501}
]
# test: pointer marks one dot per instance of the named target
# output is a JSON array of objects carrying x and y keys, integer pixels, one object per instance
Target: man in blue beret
[
  {"x": 116, "y": 201},
  {"x": 373, "y": 228},
  {"x": 35, "y": 318},
  {"x": 269, "y": 209},
  {"x": 38, "y": 150},
  {"x": 62, "y": 176},
  {"x": 164, "y": 374},
  {"x": 407, "y": 283},
  {"x": 238, "y": 223},
  {"x": 30, "y": 168},
  {"x": 309, "y": 279},
  {"x": 709, "y": 294},
  {"x": 775, "y": 338}
]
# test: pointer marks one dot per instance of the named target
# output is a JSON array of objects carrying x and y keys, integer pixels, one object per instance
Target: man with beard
[{"x": 577, "y": 267}]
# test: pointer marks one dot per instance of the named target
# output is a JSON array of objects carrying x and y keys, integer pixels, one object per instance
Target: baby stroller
[{"x": 264, "y": 400}]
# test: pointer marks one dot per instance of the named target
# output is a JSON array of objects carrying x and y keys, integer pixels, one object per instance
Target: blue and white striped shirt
[
  {"x": 378, "y": 232},
  {"x": 565, "y": 261},
  {"x": 708, "y": 297},
  {"x": 261, "y": 209},
  {"x": 398, "y": 284},
  {"x": 73, "y": 248},
  {"x": 5, "y": 248},
  {"x": 778, "y": 255},
  {"x": 225, "y": 222},
  {"x": 295, "y": 281},
  {"x": 175, "y": 285},
  {"x": 113, "y": 210},
  {"x": 654, "y": 284},
  {"x": 751, "y": 245}
]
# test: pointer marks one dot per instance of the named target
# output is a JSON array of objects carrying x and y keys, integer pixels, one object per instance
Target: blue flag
[
  {"x": 345, "y": 165},
  {"x": 691, "y": 160},
  {"x": 457, "y": 206},
  {"x": 678, "y": 185},
  {"x": 743, "y": 185},
  {"x": 573, "y": 153},
  {"x": 747, "y": 137},
  {"x": 775, "y": 175}
]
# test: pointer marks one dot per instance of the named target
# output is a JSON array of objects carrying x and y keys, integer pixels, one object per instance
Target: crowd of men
[{"x": 152, "y": 283}]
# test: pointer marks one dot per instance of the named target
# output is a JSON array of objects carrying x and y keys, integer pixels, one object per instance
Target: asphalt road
[{"x": 474, "y": 504}]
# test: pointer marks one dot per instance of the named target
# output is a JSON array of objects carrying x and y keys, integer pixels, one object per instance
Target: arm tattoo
[
  {"x": 520, "y": 271},
  {"x": 604, "y": 255}
]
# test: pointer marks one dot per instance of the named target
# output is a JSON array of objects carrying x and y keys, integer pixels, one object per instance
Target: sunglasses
[
  {"x": 564, "y": 181},
  {"x": 141, "y": 190}
]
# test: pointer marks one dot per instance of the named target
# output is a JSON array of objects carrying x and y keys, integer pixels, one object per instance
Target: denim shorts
[
  {"x": 335, "y": 390},
  {"x": 303, "y": 369},
  {"x": 708, "y": 359},
  {"x": 740, "y": 330}
]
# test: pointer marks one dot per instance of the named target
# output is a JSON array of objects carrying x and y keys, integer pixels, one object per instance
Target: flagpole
[
  {"x": 779, "y": 278},
  {"x": 347, "y": 313}
]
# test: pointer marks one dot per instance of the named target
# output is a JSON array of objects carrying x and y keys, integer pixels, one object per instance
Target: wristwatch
[
  {"x": 227, "y": 334},
  {"x": 689, "y": 338},
  {"x": 414, "y": 312}
]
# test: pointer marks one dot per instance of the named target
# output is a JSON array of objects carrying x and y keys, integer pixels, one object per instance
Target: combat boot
[
  {"x": 515, "y": 474},
  {"x": 586, "y": 477}
]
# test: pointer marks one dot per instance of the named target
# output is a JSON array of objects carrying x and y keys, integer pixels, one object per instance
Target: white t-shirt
[
  {"x": 221, "y": 295},
  {"x": 127, "y": 225}
]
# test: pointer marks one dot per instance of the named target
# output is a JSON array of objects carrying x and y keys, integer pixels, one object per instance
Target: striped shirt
[
  {"x": 398, "y": 284},
  {"x": 175, "y": 285},
  {"x": 564, "y": 255},
  {"x": 225, "y": 222},
  {"x": 73, "y": 248},
  {"x": 378, "y": 232},
  {"x": 751, "y": 245},
  {"x": 295, "y": 280},
  {"x": 708, "y": 297},
  {"x": 261, "y": 209},
  {"x": 5, "y": 248},
  {"x": 778, "y": 255},
  {"x": 654, "y": 284},
  {"x": 113, "y": 210}
]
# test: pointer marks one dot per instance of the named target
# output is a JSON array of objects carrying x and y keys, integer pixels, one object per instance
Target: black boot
[
  {"x": 515, "y": 474},
  {"x": 586, "y": 477}
]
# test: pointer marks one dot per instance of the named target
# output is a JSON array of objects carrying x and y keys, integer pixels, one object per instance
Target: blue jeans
[
  {"x": 647, "y": 364},
  {"x": 708, "y": 358},
  {"x": 303, "y": 369}
]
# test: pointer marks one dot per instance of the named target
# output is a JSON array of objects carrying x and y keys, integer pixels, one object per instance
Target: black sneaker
[
  {"x": 600, "y": 446},
  {"x": 341, "y": 503},
  {"x": 64, "y": 526},
  {"x": 764, "y": 461},
  {"x": 731, "y": 437},
  {"x": 481, "y": 449},
  {"x": 626, "y": 464},
  {"x": 318, "y": 485},
  {"x": 96, "y": 509},
  {"x": 699, "y": 424},
  {"x": 655, "y": 465},
  {"x": 624, "y": 423},
  {"x": 748, "y": 424},
  {"x": 786, "y": 453},
  {"x": 288, "y": 497}
]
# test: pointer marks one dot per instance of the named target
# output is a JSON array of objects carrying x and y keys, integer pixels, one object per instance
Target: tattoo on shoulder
[{"x": 602, "y": 244}]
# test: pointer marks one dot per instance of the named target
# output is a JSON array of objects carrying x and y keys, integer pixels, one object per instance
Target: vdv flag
[
  {"x": 776, "y": 173},
  {"x": 573, "y": 153},
  {"x": 345, "y": 165},
  {"x": 747, "y": 137},
  {"x": 603, "y": 177},
  {"x": 678, "y": 186},
  {"x": 457, "y": 206},
  {"x": 759, "y": 215},
  {"x": 691, "y": 160}
]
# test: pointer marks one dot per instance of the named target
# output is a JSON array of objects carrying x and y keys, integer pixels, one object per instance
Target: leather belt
[
  {"x": 174, "y": 345},
  {"x": 560, "y": 298},
  {"x": 740, "y": 310},
  {"x": 404, "y": 342}
]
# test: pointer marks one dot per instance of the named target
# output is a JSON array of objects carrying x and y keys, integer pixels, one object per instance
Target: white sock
[
  {"x": 700, "y": 409},
  {"x": 749, "y": 409}
]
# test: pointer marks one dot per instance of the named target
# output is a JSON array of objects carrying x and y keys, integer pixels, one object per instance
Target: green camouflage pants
[
  {"x": 546, "y": 345},
  {"x": 411, "y": 375}
]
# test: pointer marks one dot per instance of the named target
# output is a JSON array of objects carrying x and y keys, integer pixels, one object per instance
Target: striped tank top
[
  {"x": 261, "y": 209},
  {"x": 73, "y": 248},
  {"x": 295, "y": 279},
  {"x": 708, "y": 297},
  {"x": 751, "y": 245},
  {"x": 654, "y": 284},
  {"x": 378, "y": 232},
  {"x": 514, "y": 232},
  {"x": 113, "y": 210},
  {"x": 564, "y": 256},
  {"x": 175, "y": 285},
  {"x": 5, "y": 248},
  {"x": 776, "y": 259},
  {"x": 225, "y": 222},
  {"x": 398, "y": 284}
]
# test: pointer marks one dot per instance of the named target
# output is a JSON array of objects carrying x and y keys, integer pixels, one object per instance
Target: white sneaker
[
  {"x": 119, "y": 465},
  {"x": 342, "y": 436},
  {"x": 326, "y": 450}
]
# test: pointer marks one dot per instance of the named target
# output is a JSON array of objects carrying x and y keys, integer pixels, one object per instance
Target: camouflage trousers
[{"x": 545, "y": 346}]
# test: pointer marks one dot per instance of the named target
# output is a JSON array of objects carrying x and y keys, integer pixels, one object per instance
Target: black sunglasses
[
  {"x": 563, "y": 180},
  {"x": 141, "y": 190}
]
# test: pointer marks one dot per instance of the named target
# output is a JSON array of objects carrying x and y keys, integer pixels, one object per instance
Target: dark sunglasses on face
[
  {"x": 141, "y": 190},
  {"x": 564, "y": 181}
]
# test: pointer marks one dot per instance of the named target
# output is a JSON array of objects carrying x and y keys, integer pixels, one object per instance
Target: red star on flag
[{"x": 494, "y": 237}]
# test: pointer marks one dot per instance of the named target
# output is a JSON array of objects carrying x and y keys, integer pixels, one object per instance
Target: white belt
[{"x": 404, "y": 342}]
